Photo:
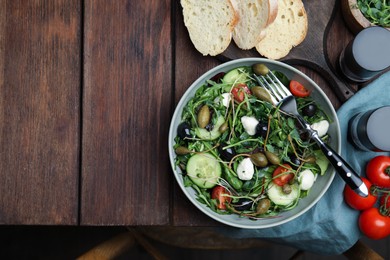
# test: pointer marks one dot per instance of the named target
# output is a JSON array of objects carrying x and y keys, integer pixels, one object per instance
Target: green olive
[
  {"x": 261, "y": 93},
  {"x": 203, "y": 118},
  {"x": 263, "y": 206},
  {"x": 272, "y": 158},
  {"x": 181, "y": 150},
  {"x": 223, "y": 127},
  {"x": 260, "y": 69},
  {"x": 286, "y": 188},
  {"x": 259, "y": 159}
]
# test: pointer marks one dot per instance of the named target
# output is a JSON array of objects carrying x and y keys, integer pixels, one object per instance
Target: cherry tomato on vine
[
  {"x": 298, "y": 90},
  {"x": 282, "y": 174},
  {"x": 385, "y": 201},
  {"x": 373, "y": 224},
  {"x": 378, "y": 171},
  {"x": 358, "y": 202},
  {"x": 239, "y": 92},
  {"x": 221, "y": 195}
]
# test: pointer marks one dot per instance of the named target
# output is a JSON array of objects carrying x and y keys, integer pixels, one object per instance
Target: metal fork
[{"x": 280, "y": 95}]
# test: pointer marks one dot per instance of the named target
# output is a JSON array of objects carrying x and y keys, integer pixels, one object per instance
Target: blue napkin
[{"x": 331, "y": 226}]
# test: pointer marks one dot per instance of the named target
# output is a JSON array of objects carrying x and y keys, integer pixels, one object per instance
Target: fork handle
[{"x": 346, "y": 172}]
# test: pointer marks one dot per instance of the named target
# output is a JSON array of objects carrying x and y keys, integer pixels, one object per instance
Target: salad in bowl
[{"x": 239, "y": 158}]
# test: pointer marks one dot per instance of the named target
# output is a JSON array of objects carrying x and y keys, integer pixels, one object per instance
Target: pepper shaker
[
  {"x": 366, "y": 55},
  {"x": 369, "y": 131}
]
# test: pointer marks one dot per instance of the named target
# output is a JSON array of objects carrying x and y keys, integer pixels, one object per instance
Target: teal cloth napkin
[{"x": 331, "y": 226}]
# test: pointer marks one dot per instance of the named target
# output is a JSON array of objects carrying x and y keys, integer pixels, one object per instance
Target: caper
[
  {"x": 261, "y": 93},
  {"x": 260, "y": 69},
  {"x": 259, "y": 159},
  {"x": 181, "y": 150},
  {"x": 272, "y": 158},
  {"x": 223, "y": 127},
  {"x": 286, "y": 188},
  {"x": 263, "y": 206},
  {"x": 203, "y": 116}
]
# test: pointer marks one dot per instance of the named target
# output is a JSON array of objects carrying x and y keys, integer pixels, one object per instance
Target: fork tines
[{"x": 274, "y": 86}]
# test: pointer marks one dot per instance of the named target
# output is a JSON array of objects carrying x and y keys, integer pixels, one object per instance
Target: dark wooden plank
[
  {"x": 127, "y": 104},
  {"x": 39, "y": 111}
]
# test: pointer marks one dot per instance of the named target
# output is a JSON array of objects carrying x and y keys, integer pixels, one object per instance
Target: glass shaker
[
  {"x": 369, "y": 131},
  {"x": 366, "y": 55}
]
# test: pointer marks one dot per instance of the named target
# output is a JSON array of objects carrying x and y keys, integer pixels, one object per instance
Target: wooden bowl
[{"x": 353, "y": 17}]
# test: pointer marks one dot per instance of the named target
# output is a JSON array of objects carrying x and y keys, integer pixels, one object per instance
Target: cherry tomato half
[
  {"x": 239, "y": 92},
  {"x": 282, "y": 174},
  {"x": 373, "y": 224},
  {"x": 221, "y": 195},
  {"x": 298, "y": 90},
  {"x": 358, "y": 202},
  {"x": 378, "y": 171}
]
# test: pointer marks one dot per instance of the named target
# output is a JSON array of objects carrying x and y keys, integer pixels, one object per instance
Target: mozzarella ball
[
  {"x": 249, "y": 123},
  {"x": 321, "y": 127},
  {"x": 306, "y": 179},
  {"x": 245, "y": 169}
]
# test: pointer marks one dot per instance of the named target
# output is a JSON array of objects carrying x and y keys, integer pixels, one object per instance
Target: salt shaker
[
  {"x": 369, "y": 131},
  {"x": 366, "y": 55}
]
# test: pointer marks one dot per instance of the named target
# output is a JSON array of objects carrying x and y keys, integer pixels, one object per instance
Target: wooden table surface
[{"x": 87, "y": 91}]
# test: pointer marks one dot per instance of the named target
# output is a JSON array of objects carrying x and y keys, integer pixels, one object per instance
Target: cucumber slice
[
  {"x": 235, "y": 76},
  {"x": 277, "y": 196},
  {"x": 204, "y": 170},
  {"x": 213, "y": 134},
  {"x": 321, "y": 161}
]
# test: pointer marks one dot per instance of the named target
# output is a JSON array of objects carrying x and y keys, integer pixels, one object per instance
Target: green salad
[{"x": 241, "y": 153}]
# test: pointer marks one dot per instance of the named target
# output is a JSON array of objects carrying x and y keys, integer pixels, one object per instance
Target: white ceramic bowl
[{"x": 322, "y": 183}]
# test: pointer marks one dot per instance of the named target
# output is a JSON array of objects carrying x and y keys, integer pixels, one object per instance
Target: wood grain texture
[
  {"x": 127, "y": 104},
  {"x": 39, "y": 111}
]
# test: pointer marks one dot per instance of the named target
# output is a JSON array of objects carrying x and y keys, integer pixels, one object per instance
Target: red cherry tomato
[
  {"x": 221, "y": 195},
  {"x": 378, "y": 171},
  {"x": 358, "y": 202},
  {"x": 298, "y": 90},
  {"x": 373, "y": 224},
  {"x": 282, "y": 174},
  {"x": 239, "y": 92}
]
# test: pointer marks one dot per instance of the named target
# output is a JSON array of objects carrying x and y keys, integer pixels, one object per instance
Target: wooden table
[{"x": 87, "y": 91}]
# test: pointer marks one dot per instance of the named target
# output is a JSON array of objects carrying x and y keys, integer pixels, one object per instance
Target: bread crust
[
  {"x": 287, "y": 31},
  {"x": 254, "y": 17},
  {"x": 209, "y": 35}
]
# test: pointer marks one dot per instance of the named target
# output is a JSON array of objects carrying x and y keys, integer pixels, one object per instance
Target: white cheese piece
[
  {"x": 321, "y": 127},
  {"x": 245, "y": 169},
  {"x": 226, "y": 98},
  {"x": 249, "y": 123},
  {"x": 306, "y": 179}
]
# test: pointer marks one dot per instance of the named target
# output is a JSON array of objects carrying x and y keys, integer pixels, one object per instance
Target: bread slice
[
  {"x": 210, "y": 24},
  {"x": 288, "y": 30},
  {"x": 254, "y": 17}
]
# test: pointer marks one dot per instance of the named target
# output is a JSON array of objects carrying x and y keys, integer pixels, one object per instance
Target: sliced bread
[
  {"x": 210, "y": 24},
  {"x": 287, "y": 31},
  {"x": 254, "y": 16}
]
